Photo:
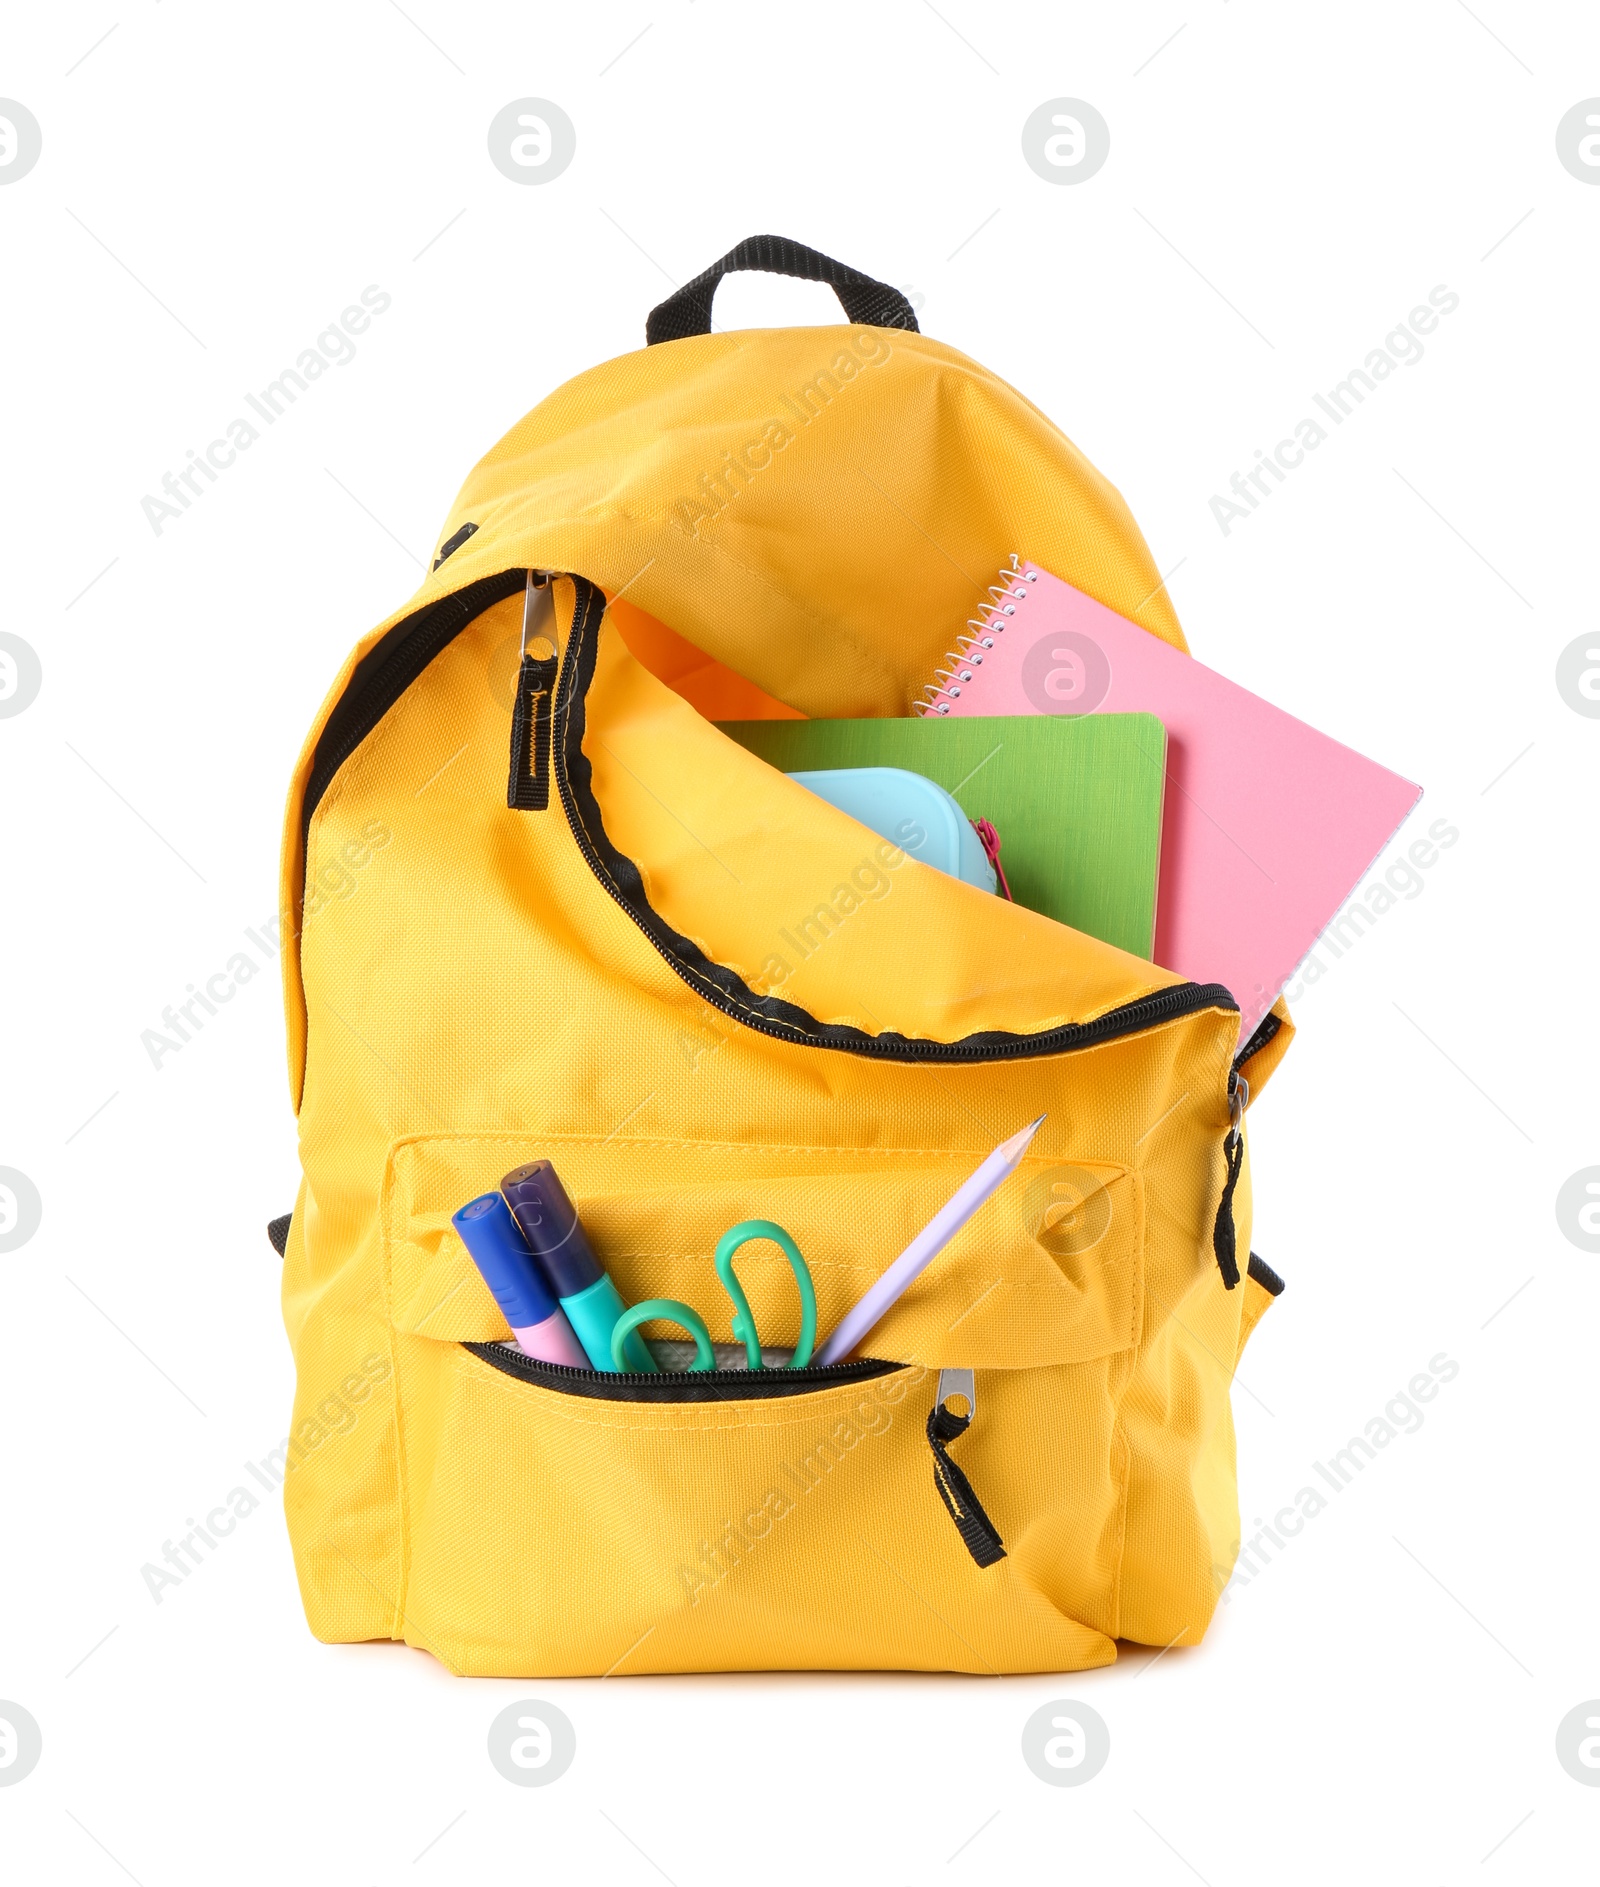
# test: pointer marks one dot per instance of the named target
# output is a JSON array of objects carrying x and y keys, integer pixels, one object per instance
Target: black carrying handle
[{"x": 868, "y": 303}]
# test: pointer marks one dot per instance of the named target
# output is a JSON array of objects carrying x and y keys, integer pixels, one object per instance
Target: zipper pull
[
  {"x": 977, "y": 1530},
  {"x": 532, "y": 719},
  {"x": 1224, "y": 1236}
]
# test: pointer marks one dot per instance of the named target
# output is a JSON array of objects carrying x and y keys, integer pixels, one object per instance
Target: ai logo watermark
[
  {"x": 1577, "y": 140},
  {"x": 21, "y": 1209},
  {"x": 1577, "y": 1743},
  {"x": 1577, "y": 1209},
  {"x": 531, "y": 140},
  {"x": 532, "y": 1743},
  {"x": 1068, "y": 1210},
  {"x": 20, "y": 674},
  {"x": 1065, "y": 140},
  {"x": 1065, "y": 1743},
  {"x": 21, "y": 1743},
  {"x": 1577, "y": 675},
  {"x": 1067, "y": 673},
  {"x": 20, "y": 141}
]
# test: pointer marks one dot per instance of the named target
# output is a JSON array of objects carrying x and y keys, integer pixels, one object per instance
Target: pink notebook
[{"x": 1268, "y": 825}]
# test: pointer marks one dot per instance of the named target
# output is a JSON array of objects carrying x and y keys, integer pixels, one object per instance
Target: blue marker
[
  {"x": 549, "y": 1222},
  {"x": 512, "y": 1273}
]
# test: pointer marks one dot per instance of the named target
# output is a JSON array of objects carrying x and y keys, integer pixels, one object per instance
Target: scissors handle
[
  {"x": 744, "y": 1324},
  {"x": 670, "y": 1311}
]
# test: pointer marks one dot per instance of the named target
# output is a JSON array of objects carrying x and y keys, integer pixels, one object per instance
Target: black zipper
[
  {"x": 1265, "y": 1031},
  {"x": 751, "y": 1385},
  {"x": 388, "y": 670},
  {"x": 686, "y": 960},
  {"x": 710, "y": 1385}
]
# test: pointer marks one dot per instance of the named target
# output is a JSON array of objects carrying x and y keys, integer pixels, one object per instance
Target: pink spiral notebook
[{"x": 1268, "y": 825}]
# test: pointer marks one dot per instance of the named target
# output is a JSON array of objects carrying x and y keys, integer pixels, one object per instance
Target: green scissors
[{"x": 744, "y": 1324}]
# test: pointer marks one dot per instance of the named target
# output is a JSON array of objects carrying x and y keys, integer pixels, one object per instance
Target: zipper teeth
[
  {"x": 417, "y": 659},
  {"x": 403, "y": 657},
  {"x": 637, "y": 1384},
  {"x": 634, "y": 1378},
  {"x": 1264, "y": 1034},
  {"x": 1145, "y": 1012},
  {"x": 408, "y": 658},
  {"x": 327, "y": 770}
]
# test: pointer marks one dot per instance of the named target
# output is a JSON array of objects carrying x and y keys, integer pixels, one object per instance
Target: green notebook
[{"x": 1076, "y": 800}]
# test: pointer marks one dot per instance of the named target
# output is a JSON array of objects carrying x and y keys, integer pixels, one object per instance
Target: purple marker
[
  {"x": 509, "y": 1269},
  {"x": 548, "y": 1220}
]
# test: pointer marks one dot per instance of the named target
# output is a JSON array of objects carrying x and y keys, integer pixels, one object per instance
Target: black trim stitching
[{"x": 726, "y": 991}]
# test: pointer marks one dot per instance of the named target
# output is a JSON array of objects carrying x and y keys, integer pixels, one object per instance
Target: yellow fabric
[
  {"x": 470, "y": 996},
  {"x": 1258, "y": 1300},
  {"x": 710, "y": 688}
]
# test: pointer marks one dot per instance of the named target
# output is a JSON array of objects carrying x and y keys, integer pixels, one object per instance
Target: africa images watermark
[
  {"x": 334, "y": 1415},
  {"x": 182, "y": 1021},
  {"x": 1400, "y": 1416},
  {"x": 332, "y": 880},
  {"x": 1401, "y": 880},
  {"x": 720, "y": 1554},
  {"x": 869, "y": 882},
  {"x": 867, "y": 347},
  {"x": 1402, "y": 346},
  {"x": 335, "y": 347}
]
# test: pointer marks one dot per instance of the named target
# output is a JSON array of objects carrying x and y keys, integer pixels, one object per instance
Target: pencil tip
[{"x": 1018, "y": 1144}]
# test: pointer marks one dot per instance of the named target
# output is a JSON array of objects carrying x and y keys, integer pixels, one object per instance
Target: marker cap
[
  {"x": 549, "y": 1222},
  {"x": 509, "y": 1269}
]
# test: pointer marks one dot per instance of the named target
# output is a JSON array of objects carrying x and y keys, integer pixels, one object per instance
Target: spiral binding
[{"x": 986, "y": 629}]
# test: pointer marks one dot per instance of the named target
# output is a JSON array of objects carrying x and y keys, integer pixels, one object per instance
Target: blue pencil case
[{"x": 911, "y": 812}]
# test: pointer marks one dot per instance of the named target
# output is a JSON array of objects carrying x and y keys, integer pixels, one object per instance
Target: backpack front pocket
[
  {"x": 559, "y": 1534},
  {"x": 560, "y": 1522}
]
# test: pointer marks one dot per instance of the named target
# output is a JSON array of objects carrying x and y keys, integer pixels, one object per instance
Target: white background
[{"x": 1284, "y": 184}]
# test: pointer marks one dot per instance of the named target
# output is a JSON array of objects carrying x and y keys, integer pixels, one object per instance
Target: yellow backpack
[{"x": 596, "y": 963}]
